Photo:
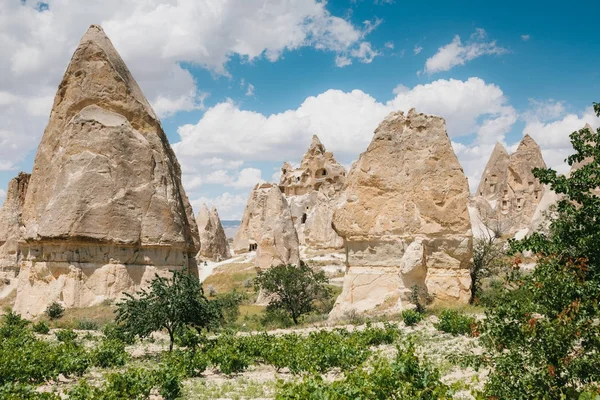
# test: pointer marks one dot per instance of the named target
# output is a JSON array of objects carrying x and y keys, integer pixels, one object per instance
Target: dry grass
[
  {"x": 228, "y": 277},
  {"x": 101, "y": 315}
]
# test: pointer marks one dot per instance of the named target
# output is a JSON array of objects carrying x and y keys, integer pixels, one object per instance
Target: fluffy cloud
[
  {"x": 525, "y": 37},
  {"x": 154, "y": 37},
  {"x": 230, "y": 206},
  {"x": 247, "y": 178},
  {"x": 551, "y": 131},
  {"x": 417, "y": 50},
  {"x": 344, "y": 121},
  {"x": 456, "y": 53}
]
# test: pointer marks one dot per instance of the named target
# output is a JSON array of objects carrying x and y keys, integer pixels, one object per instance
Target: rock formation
[
  {"x": 313, "y": 191},
  {"x": 105, "y": 208},
  {"x": 405, "y": 220},
  {"x": 10, "y": 232},
  {"x": 213, "y": 242},
  {"x": 267, "y": 227},
  {"x": 508, "y": 193}
]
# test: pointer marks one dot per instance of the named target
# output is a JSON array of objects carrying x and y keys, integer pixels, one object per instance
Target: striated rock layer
[
  {"x": 405, "y": 220},
  {"x": 10, "y": 232},
  {"x": 213, "y": 242},
  {"x": 313, "y": 192},
  {"x": 267, "y": 227},
  {"x": 508, "y": 194},
  {"x": 105, "y": 208}
]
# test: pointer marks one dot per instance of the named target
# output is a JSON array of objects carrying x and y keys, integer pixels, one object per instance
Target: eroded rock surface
[
  {"x": 213, "y": 242},
  {"x": 405, "y": 220},
  {"x": 10, "y": 232},
  {"x": 313, "y": 191},
  {"x": 508, "y": 194},
  {"x": 267, "y": 227},
  {"x": 105, "y": 207}
]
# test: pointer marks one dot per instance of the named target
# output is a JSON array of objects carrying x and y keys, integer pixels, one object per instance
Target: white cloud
[
  {"x": 155, "y": 38},
  {"x": 250, "y": 90},
  {"x": 417, "y": 49},
  {"x": 344, "y": 121},
  {"x": 400, "y": 89},
  {"x": 525, "y": 37},
  {"x": 247, "y": 178},
  {"x": 365, "y": 53},
  {"x": 456, "y": 53},
  {"x": 389, "y": 45},
  {"x": 552, "y": 134},
  {"x": 230, "y": 206},
  {"x": 2, "y": 195},
  {"x": 342, "y": 61},
  {"x": 544, "y": 110}
]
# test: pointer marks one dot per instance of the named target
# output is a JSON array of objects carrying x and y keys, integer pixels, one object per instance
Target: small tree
[
  {"x": 488, "y": 259},
  {"x": 293, "y": 289},
  {"x": 55, "y": 310},
  {"x": 170, "y": 304},
  {"x": 543, "y": 338}
]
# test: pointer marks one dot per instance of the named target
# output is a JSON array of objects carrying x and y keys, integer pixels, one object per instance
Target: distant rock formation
[
  {"x": 313, "y": 191},
  {"x": 405, "y": 220},
  {"x": 213, "y": 243},
  {"x": 508, "y": 193},
  {"x": 10, "y": 232},
  {"x": 105, "y": 208},
  {"x": 267, "y": 227}
]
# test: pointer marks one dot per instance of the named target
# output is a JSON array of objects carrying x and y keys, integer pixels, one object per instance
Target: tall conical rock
[
  {"x": 405, "y": 220},
  {"x": 267, "y": 227},
  {"x": 213, "y": 242},
  {"x": 10, "y": 231},
  {"x": 313, "y": 192},
  {"x": 105, "y": 207},
  {"x": 508, "y": 193}
]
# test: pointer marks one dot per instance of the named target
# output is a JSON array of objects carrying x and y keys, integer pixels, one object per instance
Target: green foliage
[
  {"x": 404, "y": 378},
  {"x": 229, "y": 304},
  {"x": 411, "y": 317},
  {"x": 318, "y": 352},
  {"x": 294, "y": 289},
  {"x": 55, "y": 310},
  {"x": 41, "y": 327},
  {"x": 170, "y": 304},
  {"x": 548, "y": 319},
  {"x": 456, "y": 323},
  {"x": 87, "y": 325},
  {"x": 20, "y": 391},
  {"x": 66, "y": 335},
  {"x": 117, "y": 332},
  {"x": 110, "y": 353},
  {"x": 489, "y": 259}
]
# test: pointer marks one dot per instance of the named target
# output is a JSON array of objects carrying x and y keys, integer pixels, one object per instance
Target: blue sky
[{"x": 241, "y": 85}]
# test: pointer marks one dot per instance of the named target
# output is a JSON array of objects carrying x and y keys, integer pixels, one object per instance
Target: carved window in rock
[
  {"x": 519, "y": 203},
  {"x": 537, "y": 194},
  {"x": 504, "y": 205},
  {"x": 304, "y": 218},
  {"x": 253, "y": 247},
  {"x": 321, "y": 173}
]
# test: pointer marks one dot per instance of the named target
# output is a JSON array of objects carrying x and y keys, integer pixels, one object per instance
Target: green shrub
[
  {"x": 116, "y": 332},
  {"x": 20, "y": 391},
  {"x": 456, "y": 323},
  {"x": 87, "y": 325},
  {"x": 66, "y": 335},
  {"x": 110, "y": 353},
  {"x": 55, "y": 310},
  {"x": 404, "y": 378},
  {"x": 41, "y": 327},
  {"x": 411, "y": 317}
]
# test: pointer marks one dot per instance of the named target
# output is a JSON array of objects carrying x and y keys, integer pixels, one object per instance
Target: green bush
[
  {"x": 20, "y": 391},
  {"x": 116, "y": 332},
  {"x": 411, "y": 317},
  {"x": 456, "y": 323},
  {"x": 41, "y": 327},
  {"x": 66, "y": 335},
  {"x": 86, "y": 325},
  {"x": 55, "y": 310},
  {"x": 404, "y": 378},
  {"x": 110, "y": 353}
]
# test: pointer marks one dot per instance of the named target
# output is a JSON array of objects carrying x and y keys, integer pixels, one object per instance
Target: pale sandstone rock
[
  {"x": 405, "y": 220},
  {"x": 509, "y": 194},
  {"x": 105, "y": 206},
  {"x": 213, "y": 242},
  {"x": 267, "y": 227},
  {"x": 313, "y": 192},
  {"x": 10, "y": 232}
]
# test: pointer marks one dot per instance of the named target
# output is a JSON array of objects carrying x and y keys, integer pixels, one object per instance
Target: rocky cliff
[
  {"x": 105, "y": 208},
  {"x": 213, "y": 242},
  {"x": 313, "y": 191},
  {"x": 405, "y": 220},
  {"x": 267, "y": 228}
]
